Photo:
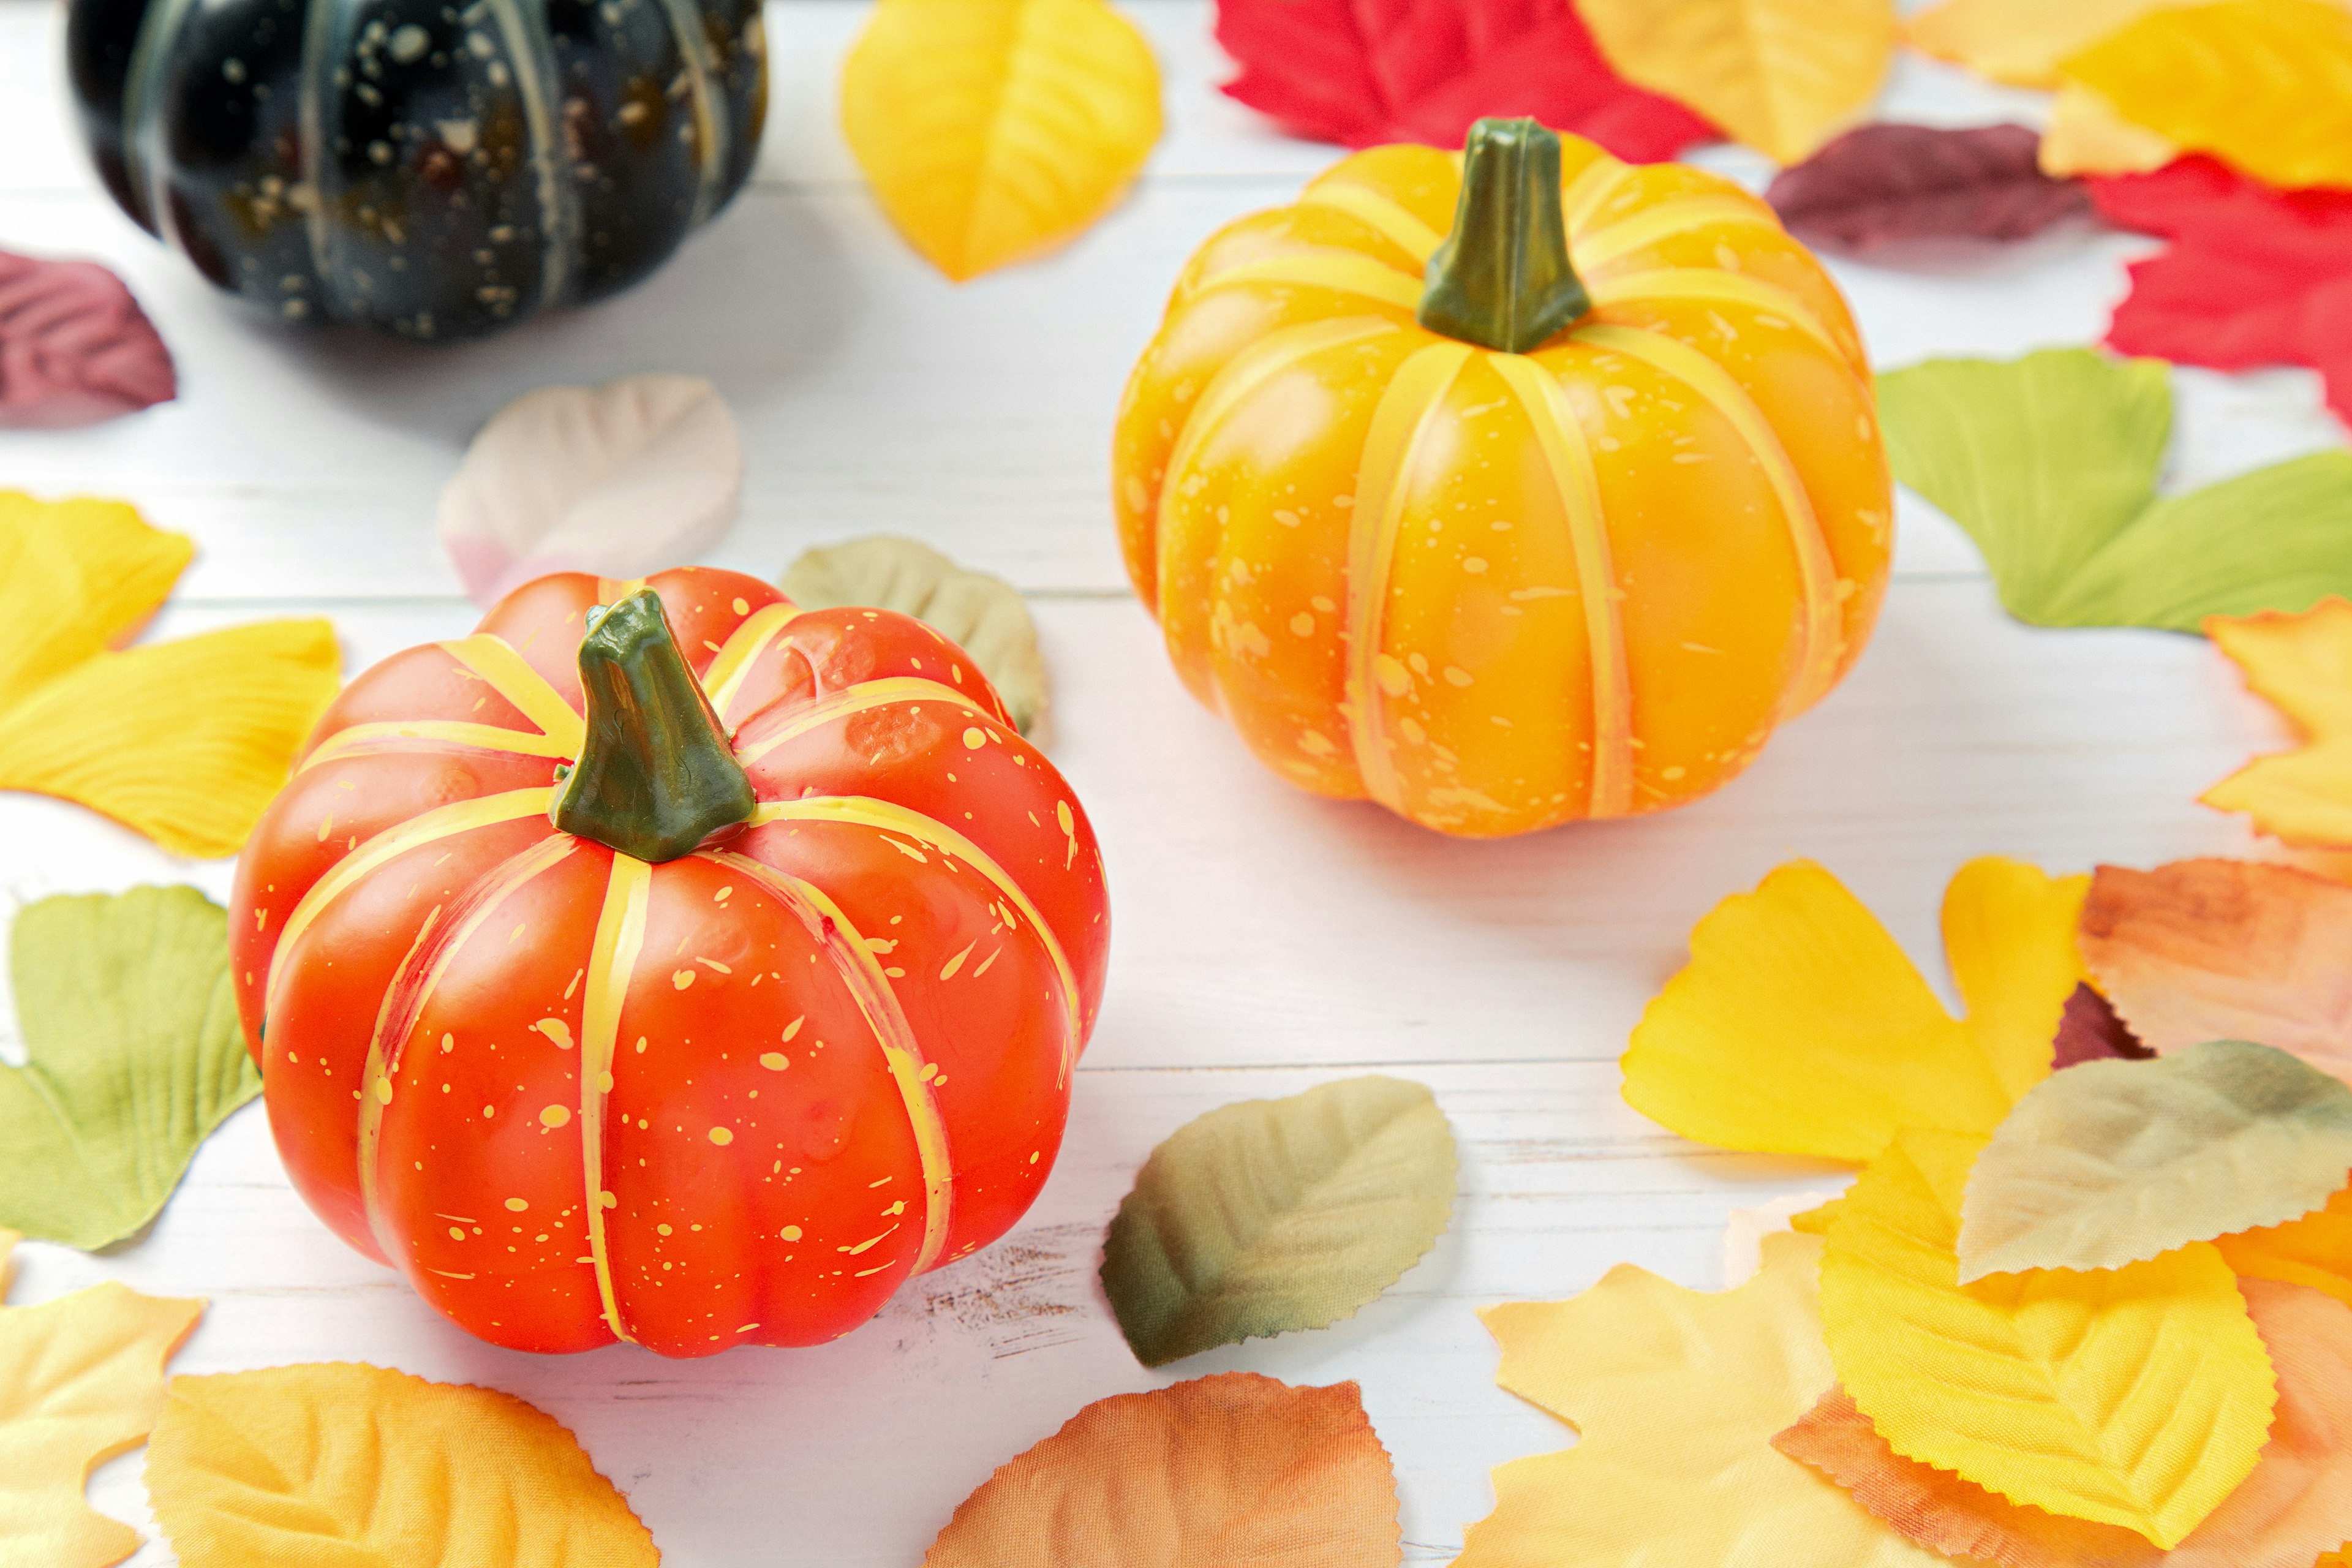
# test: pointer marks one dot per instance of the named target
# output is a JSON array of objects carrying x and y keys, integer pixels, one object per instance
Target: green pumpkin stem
[
  {"x": 1502, "y": 280},
  {"x": 656, "y": 774}
]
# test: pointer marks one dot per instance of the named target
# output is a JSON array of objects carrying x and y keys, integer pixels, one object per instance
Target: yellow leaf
[
  {"x": 1676, "y": 1395},
  {"x": 2020, "y": 41},
  {"x": 1782, "y": 75},
  {"x": 2138, "y": 1397},
  {"x": 993, "y": 130},
  {"x": 350, "y": 1464},
  {"x": 81, "y": 1380},
  {"x": 1800, "y": 1027},
  {"x": 2303, "y": 664},
  {"x": 2087, "y": 136},
  {"x": 2315, "y": 1250},
  {"x": 2265, "y": 85},
  {"x": 185, "y": 741}
]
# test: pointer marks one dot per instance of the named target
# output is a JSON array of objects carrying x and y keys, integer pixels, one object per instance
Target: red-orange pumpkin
[{"x": 809, "y": 1035}]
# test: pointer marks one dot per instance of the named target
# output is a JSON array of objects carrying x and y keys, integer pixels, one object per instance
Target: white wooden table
[{"x": 1266, "y": 941}]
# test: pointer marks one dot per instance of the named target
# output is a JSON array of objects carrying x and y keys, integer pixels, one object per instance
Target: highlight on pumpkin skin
[
  {"x": 1499, "y": 591},
  {"x": 819, "y": 1040}
]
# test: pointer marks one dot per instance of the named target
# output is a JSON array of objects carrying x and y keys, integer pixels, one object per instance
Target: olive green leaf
[
  {"x": 1276, "y": 1214},
  {"x": 2112, "y": 1162},
  {"x": 2050, "y": 462},
  {"x": 982, "y": 615},
  {"x": 133, "y": 1055}
]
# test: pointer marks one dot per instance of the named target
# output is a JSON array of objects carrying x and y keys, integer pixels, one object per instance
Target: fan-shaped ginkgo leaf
[
  {"x": 1799, "y": 1026},
  {"x": 2303, "y": 664},
  {"x": 993, "y": 130},
  {"x": 350, "y": 1464},
  {"x": 2138, "y": 1397},
  {"x": 2259, "y": 84},
  {"x": 2117, "y": 1161},
  {"x": 2019, "y": 42},
  {"x": 2315, "y": 1250},
  {"x": 1782, "y": 75}
]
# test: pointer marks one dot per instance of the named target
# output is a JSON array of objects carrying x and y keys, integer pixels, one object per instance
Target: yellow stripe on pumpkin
[
  {"x": 1375, "y": 211},
  {"x": 862, "y": 697},
  {"x": 1705, "y": 285},
  {"x": 1342, "y": 271},
  {"x": 741, "y": 651},
  {"x": 611, "y": 962},
  {"x": 509, "y": 675},
  {"x": 362, "y": 740},
  {"x": 1611, "y": 241}
]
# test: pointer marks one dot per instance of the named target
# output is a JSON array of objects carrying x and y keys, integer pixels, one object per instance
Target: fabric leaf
[
  {"x": 983, "y": 614},
  {"x": 1277, "y": 1215},
  {"x": 186, "y": 742},
  {"x": 134, "y": 1056},
  {"x": 81, "y": 1380},
  {"x": 2119, "y": 1161},
  {"x": 1676, "y": 1395},
  {"x": 2019, "y": 42},
  {"x": 994, "y": 130},
  {"x": 1233, "y": 1468},
  {"x": 619, "y": 480},
  {"x": 1881, "y": 183},
  {"x": 2049, "y": 464},
  {"x": 2090, "y": 1030},
  {"x": 1363, "y": 72},
  {"x": 344, "y": 1463},
  {"x": 75, "y": 348},
  {"x": 2303, "y": 665},
  {"x": 2257, "y": 83},
  {"x": 2297, "y": 1501},
  {"x": 2136, "y": 1396},
  {"x": 2210, "y": 950},
  {"x": 1744, "y": 1230},
  {"x": 2087, "y": 136},
  {"x": 1781, "y": 76},
  {"x": 2315, "y": 1250},
  {"x": 1800, "y": 1027}
]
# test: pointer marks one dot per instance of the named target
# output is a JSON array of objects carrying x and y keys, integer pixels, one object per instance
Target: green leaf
[
  {"x": 1277, "y": 1215},
  {"x": 134, "y": 1055},
  {"x": 2112, "y": 1162},
  {"x": 2050, "y": 463},
  {"x": 983, "y": 614}
]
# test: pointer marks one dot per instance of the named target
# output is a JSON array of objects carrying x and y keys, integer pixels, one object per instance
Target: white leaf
[{"x": 623, "y": 479}]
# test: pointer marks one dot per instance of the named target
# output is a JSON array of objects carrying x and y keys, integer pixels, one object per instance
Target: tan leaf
[
  {"x": 2087, "y": 136},
  {"x": 1231, "y": 1470},
  {"x": 2019, "y": 41}
]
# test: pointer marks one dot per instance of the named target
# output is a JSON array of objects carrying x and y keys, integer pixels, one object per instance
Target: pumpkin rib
[
  {"x": 711, "y": 128},
  {"x": 902, "y": 1051},
  {"x": 1824, "y": 631},
  {"x": 612, "y": 966},
  {"x": 560, "y": 216},
  {"x": 1411, "y": 399},
  {"x": 508, "y": 673},
  {"x": 1589, "y": 192},
  {"x": 739, "y": 654},
  {"x": 1700, "y": 283},
  {"x": 1342, "y": 271},
  {"x": 1375, "y": 211},
  {"x": 850, "y": 701},
  {"x": 142, "y": 103},
  {"x": 1615, "y": 240},
  {"x": 377, "y": 737},
  {"x": 1570, "y": 460}
]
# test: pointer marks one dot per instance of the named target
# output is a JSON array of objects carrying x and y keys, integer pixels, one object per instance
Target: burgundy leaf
[
  {"x": 75, "y": 348},
  {"x": 1364, "y": 72},
  {"x": 1883, "y": 183},
  {"x": 2090, "y": 1030}
]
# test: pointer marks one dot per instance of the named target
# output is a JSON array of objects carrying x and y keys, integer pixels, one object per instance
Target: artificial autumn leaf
[
  {"x": 2315, "y": 1250},
  {"x": 185, "y": 740},
  {"x": 983, "y": 614},
  {"x": 2261, "y": 84},
  {"x": 2211, "y": 950},
  {"x": 344, "y": 1462},
  {"x": 991, "y": 131},
  {"x": 1880, "y": 184},
  {"x": 81, "y": 1380},
  {"x": 1278, "y": 1215},
  {"x": 619, "y": 480},
  {"x": 2136, "y": 1396},
  {"x": 1781, "y": 76},
  {"x": 2118, "y": 1161},
  {"x": 1364, "y": 72},
  {"x": 2254, "y": 276},
  {"x": 2050, "y": 463},
  {"x": 1234, "y": 1468},
  {"x": 2090, "y": 1031},
  {"x": 2303, "y": 665},
  {"x": 2019, "y": 42},
  {"x": 75, "y": 348},
  {"x": 2298, "y": 1499},
  {"x": 1800, "y": 1027},
  {"x": 1744, "y": 1230},
  {"x": 134, "y": 1056},
  {"x": 1676, "y": 1395},
  {"x": 2087, "y": 136}
]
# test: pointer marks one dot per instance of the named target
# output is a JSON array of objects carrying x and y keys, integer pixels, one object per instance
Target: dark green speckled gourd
[{"x": 438, "y": 170}]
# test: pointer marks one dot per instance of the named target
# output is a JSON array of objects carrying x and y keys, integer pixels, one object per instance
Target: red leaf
[
  {"x": 2090, "y": 1030},
  {"x": 1367, "y": 71},
  {"x": 2254, "y": 277},
  {"x": 75, "y": 348},
  {"x": 1883, "y": 183}
]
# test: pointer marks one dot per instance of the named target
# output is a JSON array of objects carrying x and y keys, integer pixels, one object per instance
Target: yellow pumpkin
[{"x": 1555, "y": 515}]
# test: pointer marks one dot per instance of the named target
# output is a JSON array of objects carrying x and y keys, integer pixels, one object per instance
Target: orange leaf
[
  {"x": 2315, "y": 1250},
  {"x": 2225, "y": 949},
  {"x": 1234, "y": 1468},
  {"x": 2303, "y": 664},
  {"x": 2295, "y": 1504}
]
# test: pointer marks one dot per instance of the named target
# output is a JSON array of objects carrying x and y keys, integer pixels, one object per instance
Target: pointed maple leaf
[
  {"x": 1881, "y": 183},
  {"x": 1363, "y": 72},
  {"x": 2255, "y": 276}
]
